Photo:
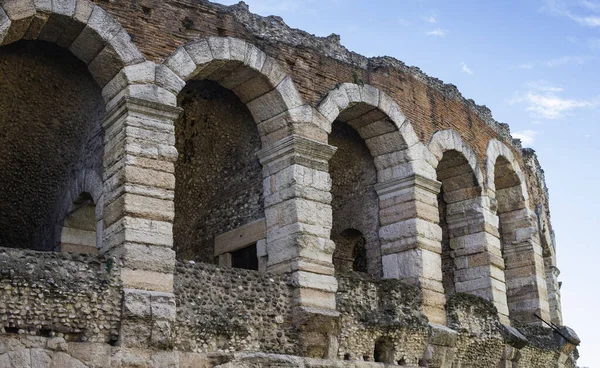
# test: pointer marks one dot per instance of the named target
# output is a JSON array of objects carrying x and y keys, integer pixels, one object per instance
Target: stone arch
[
  {"x": 88, "y": 31},
  {"x": 266, "y": 94},
  {"x": 521, "y": 247},
  {"x": 356, "y": 116},
  {"x": 256, "y": 78},
  {"x": 498, "y": 149},
  {"x": 471, "y": 259},
  {"x": 450, "y": 140}
]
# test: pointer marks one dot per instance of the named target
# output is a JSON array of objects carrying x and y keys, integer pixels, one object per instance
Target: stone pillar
[
  {"x": 475, "y": 244},
  {"x": 553, "y": 286},
  {"x": 525, "y": 275},
  {"x": 139, "y": 184},
  {"x": 411, "y": 238},
  {"x": 298, "y": 221}
]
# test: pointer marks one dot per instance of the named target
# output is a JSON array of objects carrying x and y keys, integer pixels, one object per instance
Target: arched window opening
[
  {"x": 79, "y": 233},
  {"x": 51, "y": 111},
  {"x": 350, "y": 251},
  {"x": 459, "y": 187},
  {"x": 384, "y": 351},
  {"x": 355, "y": 205},
  {"x": 219, "y": 209}
]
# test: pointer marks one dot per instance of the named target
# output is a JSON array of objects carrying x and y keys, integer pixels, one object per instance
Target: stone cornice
[
  {"x": 137, "y": 105},
  {"x": 296, "y": 146},
  {"x": 393, "y": 186}
]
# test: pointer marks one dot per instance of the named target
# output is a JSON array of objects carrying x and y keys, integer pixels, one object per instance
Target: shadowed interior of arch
[
  {"x": 50, "y": 119},
  {"x": 218, "y": 188},
  {"x": 459, "y": 185}
]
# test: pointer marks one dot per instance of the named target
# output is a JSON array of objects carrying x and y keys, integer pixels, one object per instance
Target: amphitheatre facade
[{"x": 187, "y": 184}]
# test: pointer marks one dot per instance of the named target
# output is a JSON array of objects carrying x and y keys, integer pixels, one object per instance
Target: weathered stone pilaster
[
  {"x": 474, "y": 240},
  {"x": 139, "y": 190},
  {"x": 525, "y": 274},
  {"x": 410, "y": 238},
  {"x": 298, "y": 220}
]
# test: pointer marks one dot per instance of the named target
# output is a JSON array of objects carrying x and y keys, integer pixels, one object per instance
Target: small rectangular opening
[{"x": 245, "y": 258}]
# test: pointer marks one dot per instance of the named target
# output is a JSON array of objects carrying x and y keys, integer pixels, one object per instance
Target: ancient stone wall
[
  {"x": 50, "y": 112},
  {"x": 218, "y": 179},
  {"x": 222, "y": 309},
  {"x": 316, "y": 64},
  {"x": 76, "y": 297}
]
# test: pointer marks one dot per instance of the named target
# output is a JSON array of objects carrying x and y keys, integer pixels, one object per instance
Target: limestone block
[
  {"x": 353, "y": 92},
  {"x": 147, "y": 280},
  {"x": 83, "y": 10},
  {"x": 39, "y": 358},
  {"x": 240, "y": 237},
  {"x": 314, "y": 281},
  {"x": 377, "y": 128},
  {"x": 137, "y": 304},
  {"x": 199, "y": 51},
  {"x": 273, "y": 72},
  {"x": 4, "y": 25},
  {"x": 163, "y": 306},
  {"x": 43, "y": 5},
  {"x": 255, "y": 58},
  {"x": 145, "y": 257},
  {"x": 410, "y": 228},
  {"x": 126, "y": 49},
  {"x": 369, "y": 95},
  {"x": 237, "y": 49},
  {"x": 220, "y": 48},
  {"x": 151, "y": 178},
  {"x": 105, "y": 66},
  {"x": 140, "y": 73},
  {"x": 181, "y": 63},
  {"x": 142, "y": 231},
  {"x": 100, "y": 29},
  {"x": 314, "y": 298},
  {"x": 340, "y": 98},
  {"x": 138, "y": 206},
  {"x": 19, "y": 9},
  {"x": 149, "y": 92},
  {"x": 329, "y": 109},
  {"x": 64, "y": 7},
  {"x": 282, "y": 98}
]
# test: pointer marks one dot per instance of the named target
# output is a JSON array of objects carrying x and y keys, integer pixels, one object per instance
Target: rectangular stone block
[{"x": 147, "y": 280}]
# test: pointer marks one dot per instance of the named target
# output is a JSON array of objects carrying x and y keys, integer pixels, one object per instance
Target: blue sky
[{"x": 535, "y": 64}]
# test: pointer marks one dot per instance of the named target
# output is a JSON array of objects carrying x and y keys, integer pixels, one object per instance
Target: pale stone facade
[{"x": 459, "y": 259}]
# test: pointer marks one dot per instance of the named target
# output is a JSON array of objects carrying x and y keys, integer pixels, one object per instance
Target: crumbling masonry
[{"x": 186, "y": 184}]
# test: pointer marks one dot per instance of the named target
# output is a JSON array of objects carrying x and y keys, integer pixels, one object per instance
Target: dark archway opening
[
  {"x": 219, "y": 183},
  {"x": 384, "y": 351},
  {"x": 50, "y": 132},
  {"x": 350, "y": 251},
  {"x": 355, "y": 204}
]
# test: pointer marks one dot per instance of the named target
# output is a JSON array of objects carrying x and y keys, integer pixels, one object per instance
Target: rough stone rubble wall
[
  {"x": 77, "y": 297},
  {"x": 221, "y": 309}
]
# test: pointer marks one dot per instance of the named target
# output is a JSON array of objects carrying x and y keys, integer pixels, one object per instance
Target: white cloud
[
  {"x": 437, "y": 33},
  {"x": 584, "y": 12},
  {"x": 565, "y": 60},
  {"x": 430, "y": 19},
  {"x": 543, "y": 86},
  {"x": 589, "y": 21},
  {"x": 594, "y": 43},
  {"x": 465, "y": 68},
  {"x": 587, "y": 136},
  {"x": 527, "y": 137},
  {"x": 403, "y": 22},
  {"x": 526, "y": 66},
  {"x": 542, "y": 101}
]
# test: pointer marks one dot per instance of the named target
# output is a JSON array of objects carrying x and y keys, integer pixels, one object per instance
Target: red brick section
[{"x": 159, "y": 27}]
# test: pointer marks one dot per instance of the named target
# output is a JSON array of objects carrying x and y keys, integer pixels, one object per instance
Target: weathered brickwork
[{"x": 391, "y": 221}]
